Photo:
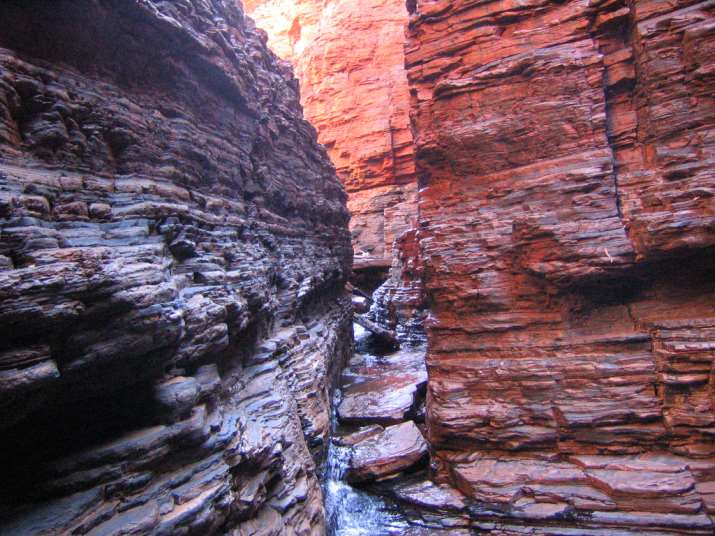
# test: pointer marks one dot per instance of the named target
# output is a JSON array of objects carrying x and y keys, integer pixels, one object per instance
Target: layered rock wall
[
  {"x": 349, "y": 58},
  {"x": 174, "y": 243},
  {"x": 565, "y": 152},
  {"x": 173, "y": 252}
]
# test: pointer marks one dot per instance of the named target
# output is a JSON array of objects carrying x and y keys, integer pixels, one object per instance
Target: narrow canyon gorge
[{"x": 341, "y": 267}]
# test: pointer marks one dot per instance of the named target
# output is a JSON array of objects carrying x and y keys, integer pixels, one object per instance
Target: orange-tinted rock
[
  {"x": 349, "y": 58},
  {"x": 565, "y": 152}
]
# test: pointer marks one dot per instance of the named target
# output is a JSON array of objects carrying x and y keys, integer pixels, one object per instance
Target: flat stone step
[{"x": 395, "y": 449}]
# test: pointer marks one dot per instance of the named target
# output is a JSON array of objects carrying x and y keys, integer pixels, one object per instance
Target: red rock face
[
  {"x": 566, "y": 236},
  {"x": 567, "y": 225},
  {"x": 349, "y": 58}
]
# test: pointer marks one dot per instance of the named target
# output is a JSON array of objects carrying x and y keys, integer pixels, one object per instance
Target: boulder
[{"x": 392, "y": 451}]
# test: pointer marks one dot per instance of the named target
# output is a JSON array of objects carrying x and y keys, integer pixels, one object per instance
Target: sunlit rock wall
[
  {"x": 173, "y": 252},
  {"x": 567, "y": 224},
  {"x": 349, "y": 58}
]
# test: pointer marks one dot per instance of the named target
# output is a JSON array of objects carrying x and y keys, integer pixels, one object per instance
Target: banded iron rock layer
[
  {"x": 566, "y": 244},
  {"x": 349, "y": 58},
  {"x": 174, "y": 246},
  {"x": 173, "y": 253},
  {"x": 566, "y": 155}
]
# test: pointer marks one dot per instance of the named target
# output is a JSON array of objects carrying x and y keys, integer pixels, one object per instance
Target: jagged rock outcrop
[
  {"x": 349, "y": 58},
  {"x": 173, "y": 253},
  {"x": 565, "y": 246},
  {"x": 399, "y": 303},
  {"x": 567, "y": 230}
]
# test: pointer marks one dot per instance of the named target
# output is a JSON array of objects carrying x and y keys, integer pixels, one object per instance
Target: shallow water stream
[{"x": 352, "y": 511}]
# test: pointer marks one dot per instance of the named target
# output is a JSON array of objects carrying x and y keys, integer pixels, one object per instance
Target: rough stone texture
[
  {"x": 390, "y": 451},
  {"x": 173, "y": 252},
  {"x": 436, "y": 507},
  {"x": 567, "y": 224},
  {"x": 399, "y": 303},
  {"x": 349, "y": 58},
  {"x": 382, "y": 389}
]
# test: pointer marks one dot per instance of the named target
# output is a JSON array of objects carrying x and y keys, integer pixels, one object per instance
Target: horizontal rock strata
[
  {"x": 349, "y": 58},
  {"x": 173, "y": 252},
  {"x": 565, "y": 152}
]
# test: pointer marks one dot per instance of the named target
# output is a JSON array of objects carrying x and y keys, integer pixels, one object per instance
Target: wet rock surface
[
  {"x": 374, "y": 477},
  {"x": 173, "y": 253},
  {"x": 383, "y": 389},
  {"x": 426, "y": 494},
  {"x": 386, "y": 453}
]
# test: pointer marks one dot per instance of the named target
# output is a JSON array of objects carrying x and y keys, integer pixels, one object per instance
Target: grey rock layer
[{"x": 173, "y": 253}]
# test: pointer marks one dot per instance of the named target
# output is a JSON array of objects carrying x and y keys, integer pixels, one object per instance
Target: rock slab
[{"x": 387, "y": 453}]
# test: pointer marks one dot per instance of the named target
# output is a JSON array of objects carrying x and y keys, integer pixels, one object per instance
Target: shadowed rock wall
[
  {"x": 173, "y": 252},
  {"x": 565, "y": 156}
]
